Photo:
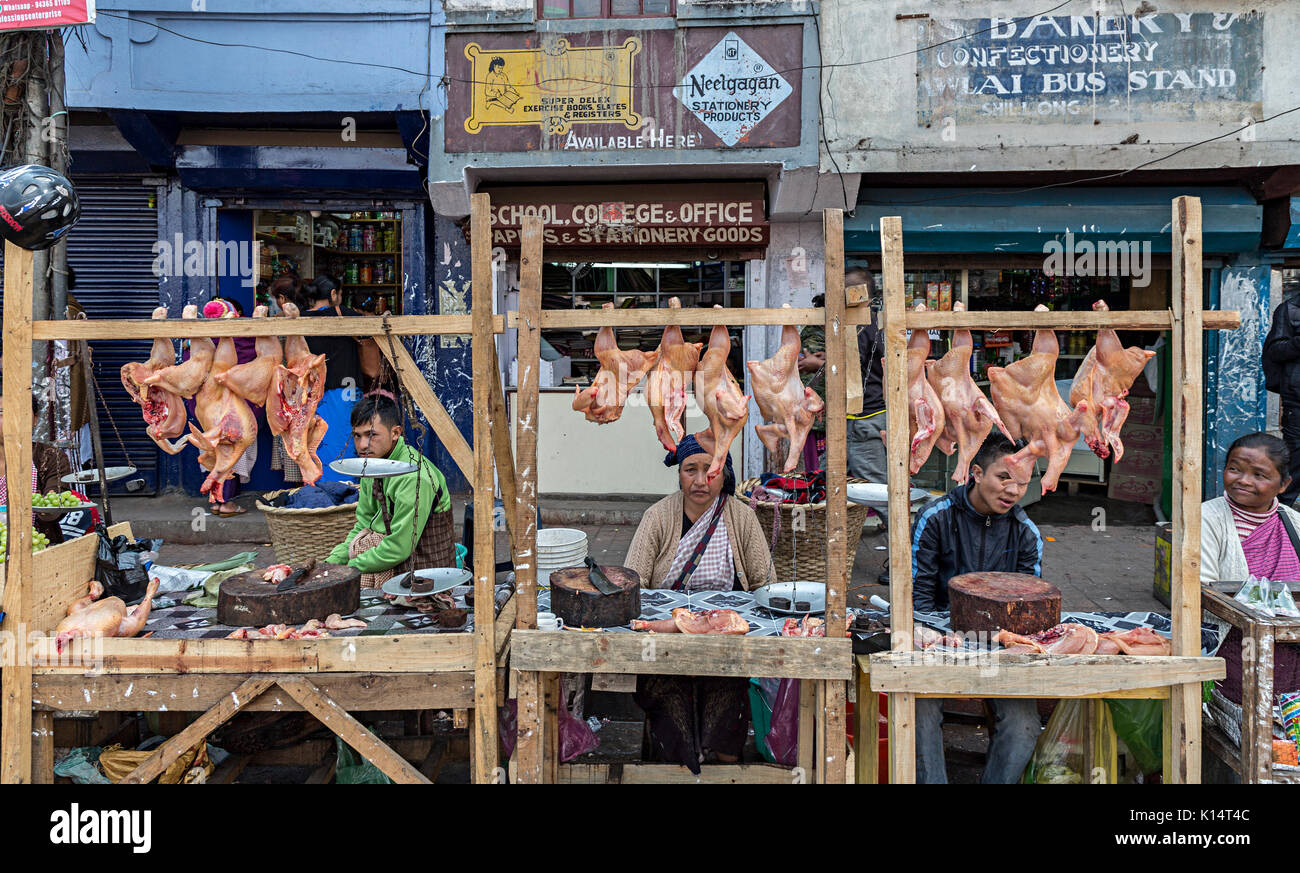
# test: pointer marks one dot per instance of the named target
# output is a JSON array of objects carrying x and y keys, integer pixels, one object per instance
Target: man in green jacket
[{"x": 403, "y": 522}]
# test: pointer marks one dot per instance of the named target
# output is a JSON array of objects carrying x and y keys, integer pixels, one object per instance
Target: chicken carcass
[
  {"x": 1025, "y": 394},
  {"x": 162, "y": 409},
  {"x": 1139, "y": 641},
  {"x": 229, "y": 427},
  {"x": 1063, "y": 639},
  {"x": 925, "y": 416},
  {"x": 783, "y": 399},
  {"x": 296, "y": 389},
  {"x": 89, "y": 616},
  {"x": 621, "y": 370},
  {"x": 713, "y": 621},
  {"x": 967, "y": 414},
  {"x": 1103, "y": 381},
  {"x": 720, "y": 398},
  {"x": 670, "y": 380},
  {"x": 252, "y": 381},
  {"x": 185, "y": 378}
]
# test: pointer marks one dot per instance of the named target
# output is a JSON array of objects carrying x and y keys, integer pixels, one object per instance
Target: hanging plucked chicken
[{"x": 782, "y": 398}]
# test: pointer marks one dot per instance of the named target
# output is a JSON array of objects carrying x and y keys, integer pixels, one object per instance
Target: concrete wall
[{"x": 878, "y": 118}]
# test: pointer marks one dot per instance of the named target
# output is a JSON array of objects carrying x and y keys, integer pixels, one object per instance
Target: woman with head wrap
[{"x": 700, "y": 537}]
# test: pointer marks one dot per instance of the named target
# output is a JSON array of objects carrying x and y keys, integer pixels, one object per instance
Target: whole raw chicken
[
  {"x": 720, "y": 397},
  {"x": 109, "y": 617},
  {"x": 621, "y": 370},
  {"x": 783, "y": 399},
  {"x": 252, "y": 381},
  {"x": 185, "y": 378},
  {"x": 1103, "y": 381},
  {"x": 229, "y": 427},
  {"x": 925, "y": 416},
  {"x": 670, "y": 380},
  {"x": 162, "y": 409},
  {"x": 1025, "y": 394},
  {"x": 967, "y": 414},
  {"x": 296, "y": 389}
]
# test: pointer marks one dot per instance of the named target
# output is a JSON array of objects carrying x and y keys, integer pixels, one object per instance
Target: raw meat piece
[
  {"x": 783, "y": 399},
  {"x": 928, "y": 638},
  {"x": 1025, "y": 394},
  {"x": 162, "y": 409},
  {"x": 295, "y": 391},
  {"x": 1103, "y": 381},
  {"x": 277, "y": 573},
  {"x": 715, "y": 621},
  {"x": 720, "y": 398},
  {"x": 925, "y": 415},
  {"x": 185, "y": 378},
  {"x": 1106, "y": 646},
  {"x": 336, "y": 622},
  {"x": 229, "y": 427},
  {"x": 809, "y": 626},
  {"x": 107, "y": 618},
  {"x": 1064, "y": 639},
  {"x": 621, "y": 370},
  {"x": 252, "y": 381},
  {"x": 1140, "y": 641},
  {"x": 967, "y": 414},
  {"x": 1016, "y": 643},
  {"x": 661, "y": 626},
  {"x": 670, "y": 380},
  {"x": 726, "y": 621}
]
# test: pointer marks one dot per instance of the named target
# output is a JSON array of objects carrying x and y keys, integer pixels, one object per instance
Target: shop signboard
[
  {"x": 1165, "y": 66},
  {"x": 44, "y": 14},
  {"x": 706, "y": 218},
  {"x": 695, "y": 88}
]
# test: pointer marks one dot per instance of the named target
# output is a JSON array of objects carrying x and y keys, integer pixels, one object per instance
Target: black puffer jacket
[
  {"x": 951, "y": 538},
  {"x": 1282, "y": 352}
]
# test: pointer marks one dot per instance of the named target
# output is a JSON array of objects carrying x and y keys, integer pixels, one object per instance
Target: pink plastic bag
[
  {"x": 576, "y": 737},
  {"x": 783, "y": 737}
]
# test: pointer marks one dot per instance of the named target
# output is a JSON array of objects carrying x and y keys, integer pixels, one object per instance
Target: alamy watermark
[
  {"x": 1071, "y": 257},
  {"x": 207, "y": 258}
]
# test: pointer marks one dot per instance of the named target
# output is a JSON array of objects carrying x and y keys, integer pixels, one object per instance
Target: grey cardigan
[{"x": 1222, "y": 559}]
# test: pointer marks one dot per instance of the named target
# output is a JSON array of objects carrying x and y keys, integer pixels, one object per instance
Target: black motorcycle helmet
[{"x": 37, "y": 206}]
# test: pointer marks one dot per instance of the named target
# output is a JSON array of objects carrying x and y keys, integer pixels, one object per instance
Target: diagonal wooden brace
[{"x": 415, "y": 385}]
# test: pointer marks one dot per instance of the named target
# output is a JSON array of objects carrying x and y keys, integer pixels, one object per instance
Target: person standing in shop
[
  {"x": 1282, "y": 375},
  {"x": 344, "y": 381}
]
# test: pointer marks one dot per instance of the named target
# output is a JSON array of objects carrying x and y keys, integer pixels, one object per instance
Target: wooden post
[
  {"x": 16, "y": 677},
  {"x": 831, "y": 765},
  {"x": 504, "y": 457},
  {"x": 531, "y": 743},
  {"x": 1183, "y": 746},
  {"x": 484, "y": 760},
  {"x": 902, "y": 707}
]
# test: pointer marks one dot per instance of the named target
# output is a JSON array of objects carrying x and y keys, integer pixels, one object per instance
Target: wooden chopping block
[
  {"x": 576, "y": 600},
  {"x": 247, "y": 600},
  {"x": 990, "y": 602}
]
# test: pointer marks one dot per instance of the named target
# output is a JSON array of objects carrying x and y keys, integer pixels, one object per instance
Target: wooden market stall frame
[
  {"x": 541, "y": 656},
  {"x": 326, "y": 677},
  {"x": 905, "y": 674}
]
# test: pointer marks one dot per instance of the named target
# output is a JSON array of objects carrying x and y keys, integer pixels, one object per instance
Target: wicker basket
[
  {"x": 299, "y": 535},
  {"x": 807, "y": 547}
]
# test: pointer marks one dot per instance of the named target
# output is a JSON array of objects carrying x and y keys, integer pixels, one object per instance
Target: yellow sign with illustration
[{"x": 554, "y": 87}]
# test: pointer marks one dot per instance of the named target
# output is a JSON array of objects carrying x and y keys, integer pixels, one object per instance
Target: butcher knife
[
  {"x": 599, "y": 580},
  {"x": 296, "y": 576}
]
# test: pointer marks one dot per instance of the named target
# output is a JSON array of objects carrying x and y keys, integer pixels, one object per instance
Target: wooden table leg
[
  {"x": 42, "y": 747},
  {"x": 806, "y": 756},
  {"x": 1262, "y": 767},
  {"x": 866, "y": 731},
  {"x": 551, "y": 728},
  {"x": 1250, "y": 669}
]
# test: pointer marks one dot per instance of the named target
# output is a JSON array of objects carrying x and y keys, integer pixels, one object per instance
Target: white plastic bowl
[{"x": 560, "y": 537}]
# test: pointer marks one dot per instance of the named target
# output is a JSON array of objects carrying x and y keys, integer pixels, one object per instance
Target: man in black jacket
[
  {"x": 1282, "y": 375},
  {"x": 976, "y": 527}
]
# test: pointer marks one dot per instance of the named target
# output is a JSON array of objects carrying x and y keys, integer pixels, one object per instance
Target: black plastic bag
[{"x": 118, "y": 566}]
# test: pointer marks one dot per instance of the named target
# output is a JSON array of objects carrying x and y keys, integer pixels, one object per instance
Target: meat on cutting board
[
  {"x": 1103, "y": 380},
  {"x": 621, "y": 370},
  {"x": 720, "y": 397},
  {"x": 672, "y": 377},
  {"x": 968, "y": 415},
  {"x": 782, "y": 398},
  {"x": 925, "y": 414},
  {"x": 1025, "y": 395}
]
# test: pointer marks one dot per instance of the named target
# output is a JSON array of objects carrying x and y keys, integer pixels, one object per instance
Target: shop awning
[{"x": 960, "y": 220}]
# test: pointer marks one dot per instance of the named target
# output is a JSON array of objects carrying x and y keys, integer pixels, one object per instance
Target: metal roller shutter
[{"x": 111, "y": 250}]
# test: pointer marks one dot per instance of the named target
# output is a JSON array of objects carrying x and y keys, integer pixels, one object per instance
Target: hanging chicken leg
[
  {"x": 783, "y": 399},
  {"x": 719, "y": 396},
  {"x": 1025, "y": 394},
  {"x": 925, "y": 414},
  {"x": 252, "y": 381},
  {"x": 670, "y": 380},
  {"x": 1103, "y": 381},
  {"x": 621, "y": 370},
  {"x": 296, "y": 389},
  {"x": 185, "y": 378},
  {"x": 968, "y": 415},
  {"x": 163, "y": 410},
  {"x": 229, "y": 427}
]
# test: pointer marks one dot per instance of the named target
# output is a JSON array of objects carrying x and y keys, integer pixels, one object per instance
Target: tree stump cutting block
[
  {"x": 576, "y": 600},
  {"x": 247, "y": 600},
  {"x": 991, "y": 602}
]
